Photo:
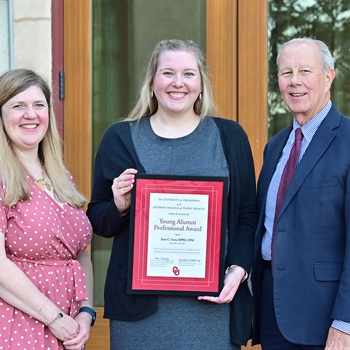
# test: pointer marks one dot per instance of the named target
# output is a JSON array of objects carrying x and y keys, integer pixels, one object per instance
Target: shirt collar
[{"x": 309, "y": 128}]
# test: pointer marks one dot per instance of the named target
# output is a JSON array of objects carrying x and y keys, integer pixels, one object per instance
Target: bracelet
[
  {"x": 125, "y": 214},
  {"x": 233, "y": 266},
  {"x": 58, "y": 316}
]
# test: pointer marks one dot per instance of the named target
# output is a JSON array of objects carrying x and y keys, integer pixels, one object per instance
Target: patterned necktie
[{"x": 286, "y": 178}]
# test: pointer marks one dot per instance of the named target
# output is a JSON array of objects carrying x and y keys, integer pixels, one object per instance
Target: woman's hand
[
  {"x": 121, "y": 188},
  {"x": 64, "y": 328},
  {"x": 231, "y": 283},
  {"x": 83, "y": 320}
]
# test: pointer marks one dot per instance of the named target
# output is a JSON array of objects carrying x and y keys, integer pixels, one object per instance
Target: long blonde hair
[
  {"x": 13, "y": 172},
  {"x": 148, "y": 105}
]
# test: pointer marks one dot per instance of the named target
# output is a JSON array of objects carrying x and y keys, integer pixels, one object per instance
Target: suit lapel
[{"x": 319, "y": 144}]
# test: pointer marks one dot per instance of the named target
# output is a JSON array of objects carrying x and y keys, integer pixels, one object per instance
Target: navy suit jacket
[{"x": 312, "y": 241}]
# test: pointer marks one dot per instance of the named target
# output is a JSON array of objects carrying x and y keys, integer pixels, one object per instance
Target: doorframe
[
  {"x": 77, "y": 102},
  {"x": 57, "y": 62},
  {"x": 237, "y": 58},
  {"x": 252, "y": 105}
]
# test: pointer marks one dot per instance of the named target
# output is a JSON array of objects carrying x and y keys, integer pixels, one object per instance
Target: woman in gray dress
[{"x": 171, "y": 132}]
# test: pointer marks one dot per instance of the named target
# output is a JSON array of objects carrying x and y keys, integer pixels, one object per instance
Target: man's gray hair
[{"x": 325, "y": 55}]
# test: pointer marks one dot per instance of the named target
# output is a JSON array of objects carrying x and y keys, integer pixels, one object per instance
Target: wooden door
[{"x": 237, "y": 54}]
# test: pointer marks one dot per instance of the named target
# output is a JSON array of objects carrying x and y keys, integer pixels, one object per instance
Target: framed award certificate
[{"x": 177, "y": 235}]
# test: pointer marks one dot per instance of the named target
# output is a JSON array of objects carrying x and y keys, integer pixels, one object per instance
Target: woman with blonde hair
[
  {"x": 170, "y": 132},
  {"x": 46, "y": 272}
]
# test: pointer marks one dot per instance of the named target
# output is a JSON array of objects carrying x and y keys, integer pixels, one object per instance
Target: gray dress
[{"x": 181, "y": 323}]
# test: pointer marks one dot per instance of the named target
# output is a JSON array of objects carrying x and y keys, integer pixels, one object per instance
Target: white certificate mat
[{"x": 177, "y": 235}]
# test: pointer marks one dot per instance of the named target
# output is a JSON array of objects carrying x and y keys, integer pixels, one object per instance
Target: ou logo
[{"x": 176, "y": 271}]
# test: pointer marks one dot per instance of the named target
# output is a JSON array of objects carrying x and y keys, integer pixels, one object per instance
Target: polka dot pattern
[{"x": 43, "y": 238}]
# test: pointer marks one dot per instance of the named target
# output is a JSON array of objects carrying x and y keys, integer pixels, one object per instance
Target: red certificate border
[{"x": 211, "y": 284}]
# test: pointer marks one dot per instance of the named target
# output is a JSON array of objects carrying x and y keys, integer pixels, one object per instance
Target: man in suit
[{"x": 303, "y": 294}]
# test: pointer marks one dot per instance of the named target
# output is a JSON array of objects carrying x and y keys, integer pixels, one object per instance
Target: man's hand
[{"x": 337, "y": 340}]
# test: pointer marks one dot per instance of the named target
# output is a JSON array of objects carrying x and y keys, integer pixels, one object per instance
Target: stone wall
[
  {"x": 4, "y": 37},
  {"x": 31, "y": 36}
]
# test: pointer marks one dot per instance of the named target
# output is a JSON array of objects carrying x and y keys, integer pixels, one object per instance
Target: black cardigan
[{"x": 115, "y": 154}]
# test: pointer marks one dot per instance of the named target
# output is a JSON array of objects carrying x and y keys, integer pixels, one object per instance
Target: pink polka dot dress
[{"x": 43, "y": 238}]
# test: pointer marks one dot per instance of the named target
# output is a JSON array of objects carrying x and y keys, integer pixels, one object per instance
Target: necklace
[
  {"x": 42, "y": 183},
  {"x": 184, "y": 133}
]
